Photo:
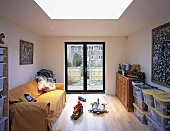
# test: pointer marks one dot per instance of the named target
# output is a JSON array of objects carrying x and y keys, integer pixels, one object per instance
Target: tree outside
[
  {"x": 69, "y": 64},
  {"x": 77, "y": 60}
]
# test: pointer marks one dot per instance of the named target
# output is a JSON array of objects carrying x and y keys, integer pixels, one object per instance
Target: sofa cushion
[
  {"x": 45, "y": 84},
  {"x": 52, "y": 97},
  {"x": 49, "y": 85},
  {"x": 41, "y": 84},
  {"x": 27, "y": 88}
]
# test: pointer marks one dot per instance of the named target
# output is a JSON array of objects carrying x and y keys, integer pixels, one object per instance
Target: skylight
[{"x": 84, "y": 9}]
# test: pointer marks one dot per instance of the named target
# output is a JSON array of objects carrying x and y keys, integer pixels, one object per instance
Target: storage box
[
  {"x": 143, "y": 106},
  {"x": 2, "y": 123},
  {"x": 140, "y": 114},
  {"x": 2, "y": 57},
  {"x": 148, "y": 96},
  {"x": 2, "y": 83},
  {"x": 160, "y": 120},
  {"x": 1, "y": 105},
  {"x": 137, "y": 83},
  {"x": 152, "y": 126},
  {"x": 2, "y": 69},
  {"x": 162, "y": 104},
  {"x": 2, "y": 51},
  {"x": 151, "y": 113},
  {"x": 137, "y": 91}
]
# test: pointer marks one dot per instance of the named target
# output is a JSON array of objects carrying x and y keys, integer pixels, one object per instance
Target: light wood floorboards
[{"x": 118, "y": 119}]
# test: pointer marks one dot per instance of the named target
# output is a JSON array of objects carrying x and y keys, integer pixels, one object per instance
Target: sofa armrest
[
  {"x": 30, "y": 116},
  {"x": 59, "y": 86}
]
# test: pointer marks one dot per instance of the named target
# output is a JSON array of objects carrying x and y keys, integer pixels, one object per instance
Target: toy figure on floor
[
  {"x": 78, "y": 110},
  {"x": 81, "y": 99},
  {"x": 98, "y": 108}
]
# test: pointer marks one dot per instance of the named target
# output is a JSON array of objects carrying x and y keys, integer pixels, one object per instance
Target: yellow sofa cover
[{"x": 39, "y": 115}]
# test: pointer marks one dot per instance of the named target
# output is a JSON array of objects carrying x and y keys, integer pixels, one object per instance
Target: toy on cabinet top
[
  {"x": 2, "y": 36},
  {"x": 98, "y": 108},
  {"x": 78, "y": 110},
  {"x": 135, "y": 68}
]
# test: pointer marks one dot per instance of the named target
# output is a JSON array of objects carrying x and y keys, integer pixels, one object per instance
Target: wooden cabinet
[
  {"x": 124, "y": 90},
  {"x": 4, "y": 87}
]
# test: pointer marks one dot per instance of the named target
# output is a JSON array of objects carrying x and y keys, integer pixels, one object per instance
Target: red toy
[{"x": 78, "y": 110}]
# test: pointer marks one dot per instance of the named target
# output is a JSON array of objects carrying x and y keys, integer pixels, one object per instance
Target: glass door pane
[
  {"x": 94, "y": 67},
  {"x": 85, "y": 67},
  {"x": 75, "y": 73}
]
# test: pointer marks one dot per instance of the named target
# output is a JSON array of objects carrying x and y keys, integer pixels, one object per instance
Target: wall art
[
  {"x": 161, "y": 55},
  {"x": 26, "y": 52}
]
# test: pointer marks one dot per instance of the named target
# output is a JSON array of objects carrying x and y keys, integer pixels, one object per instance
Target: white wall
[
  {"x": 54, "y": 58},
  {"x": 139, "y": 49},
  {"x": 19, "y": 74}
]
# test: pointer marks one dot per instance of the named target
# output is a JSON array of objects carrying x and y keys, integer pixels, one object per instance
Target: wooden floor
[{"x": 118, "y": 119}]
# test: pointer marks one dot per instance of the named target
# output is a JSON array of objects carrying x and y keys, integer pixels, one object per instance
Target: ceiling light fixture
[{"x": 84, "y": 9}]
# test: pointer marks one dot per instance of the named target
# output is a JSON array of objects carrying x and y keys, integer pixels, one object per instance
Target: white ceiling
[{"x": 139, "y": 14}]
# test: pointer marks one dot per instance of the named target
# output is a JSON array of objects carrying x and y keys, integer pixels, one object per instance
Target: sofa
[{"x": 39, "y": 115}]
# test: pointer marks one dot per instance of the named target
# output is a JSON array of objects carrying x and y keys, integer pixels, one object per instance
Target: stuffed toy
[
  {"x": 135, "y": 68},
  {"x": 2, "y": 36}
]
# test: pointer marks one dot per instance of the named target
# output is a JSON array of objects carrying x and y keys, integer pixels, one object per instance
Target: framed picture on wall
[
  {"x": 161, "y": 55},
  {"x": 26, "y": 52}
]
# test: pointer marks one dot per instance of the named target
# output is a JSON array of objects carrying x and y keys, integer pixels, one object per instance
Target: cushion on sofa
[
  {"x": 41, "y": 84},
  {"x": 27, "y": 88},
  {"x": 45, "y": 84}
]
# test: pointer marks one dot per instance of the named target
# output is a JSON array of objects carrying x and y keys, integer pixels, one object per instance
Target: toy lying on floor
[
  {"x": 98, "y": 108},
  {"x": 78, "y": 110},
  {"x": 81, "y": 99}
]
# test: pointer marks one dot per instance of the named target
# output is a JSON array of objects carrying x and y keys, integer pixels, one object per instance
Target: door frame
[{"x": 85, "y": 91}]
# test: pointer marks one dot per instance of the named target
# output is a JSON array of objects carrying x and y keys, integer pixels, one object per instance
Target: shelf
[
  {"x": 4, "y": 90},
  {"x": 3, "y": 45}
]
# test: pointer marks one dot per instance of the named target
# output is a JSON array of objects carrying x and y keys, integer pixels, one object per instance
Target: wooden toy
[{"x": 78, "y": 110}]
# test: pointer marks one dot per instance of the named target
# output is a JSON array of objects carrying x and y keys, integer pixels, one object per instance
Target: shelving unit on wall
[{"x": 4, "y": 105}]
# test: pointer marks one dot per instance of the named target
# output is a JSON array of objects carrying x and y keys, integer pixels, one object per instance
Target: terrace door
[{"x": 85, "y": 67}]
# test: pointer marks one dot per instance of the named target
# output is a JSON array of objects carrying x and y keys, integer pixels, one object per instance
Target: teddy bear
[
  {"x": 2, "y": 36},
  {"x": 135, "y": 68}
]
